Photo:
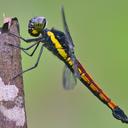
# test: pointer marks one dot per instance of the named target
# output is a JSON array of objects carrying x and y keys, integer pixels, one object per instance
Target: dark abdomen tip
[{"x": 120, "y": 115}]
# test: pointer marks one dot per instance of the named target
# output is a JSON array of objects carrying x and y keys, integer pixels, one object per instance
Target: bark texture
[{"x": 12, "y": 104}]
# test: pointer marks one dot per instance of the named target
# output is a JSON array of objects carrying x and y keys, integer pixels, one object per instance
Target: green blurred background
[{"x": 99, "y": 29}]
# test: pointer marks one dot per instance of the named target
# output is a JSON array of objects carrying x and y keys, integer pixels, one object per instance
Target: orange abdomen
[{"x": 93, "y": 87}]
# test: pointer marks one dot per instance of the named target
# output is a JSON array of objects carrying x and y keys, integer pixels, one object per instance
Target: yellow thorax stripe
[
  {"x": 54, "y": 40},
  {"x": 58, "y": 46}
]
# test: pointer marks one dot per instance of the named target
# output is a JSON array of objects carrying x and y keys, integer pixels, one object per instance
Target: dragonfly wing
[
  {"x": 66, "y": 29},
  {"x": 69, "y": 80},
  {"x": 70, "y": 43}
]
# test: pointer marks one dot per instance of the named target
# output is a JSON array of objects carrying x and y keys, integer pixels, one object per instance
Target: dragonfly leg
[
  {"x": 34, "y": 50},
  {"x": 24, "y": 49},
  {"x": 38, "y": 39},
  {"x": 36, "y": 64}
]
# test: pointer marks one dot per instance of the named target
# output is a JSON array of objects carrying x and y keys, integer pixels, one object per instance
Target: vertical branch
[{"x": 12, "y": 104}]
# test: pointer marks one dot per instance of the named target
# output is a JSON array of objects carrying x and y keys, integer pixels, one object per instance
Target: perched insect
[{"x": 61, "y": 45}]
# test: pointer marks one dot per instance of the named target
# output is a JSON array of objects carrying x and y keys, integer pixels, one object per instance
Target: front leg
[
  {"x": 24, "y": 49},
  {"x": 35, "y": 65},
  {"x": 38, "y": 39}
]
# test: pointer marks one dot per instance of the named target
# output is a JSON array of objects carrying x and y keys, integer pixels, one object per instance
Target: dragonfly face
[{"x": 36, "y": 25}]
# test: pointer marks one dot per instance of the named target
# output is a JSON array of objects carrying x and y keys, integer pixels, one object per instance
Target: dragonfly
[{"x": 61, "y": 45}]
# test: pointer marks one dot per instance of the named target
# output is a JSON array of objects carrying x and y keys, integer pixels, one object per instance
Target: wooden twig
[{"x": 12, "y": 104}]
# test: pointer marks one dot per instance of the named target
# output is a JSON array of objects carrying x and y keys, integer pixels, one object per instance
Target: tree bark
[{"x": 12, "y": 103}]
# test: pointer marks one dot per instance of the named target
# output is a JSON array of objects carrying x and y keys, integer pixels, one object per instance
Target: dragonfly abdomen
[
  {"x": 94, "y": 88},
  {"x": 97, "y": 91},
  {"x": 90, "y": 84}
]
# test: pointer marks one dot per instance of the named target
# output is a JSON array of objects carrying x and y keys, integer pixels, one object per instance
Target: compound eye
[
  {"x": 41, "y": 22},
  {"x": 31, "y": 24},
  {"x": 44, "y": 23},
  {"x": 36, "y": 25}
]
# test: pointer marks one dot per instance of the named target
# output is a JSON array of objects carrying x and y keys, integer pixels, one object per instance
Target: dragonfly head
[{"x": 36, "y": 25}]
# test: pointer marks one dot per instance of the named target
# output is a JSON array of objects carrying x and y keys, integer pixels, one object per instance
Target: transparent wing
[
  {"x": 66, "y": 29},
  {"x": 69, "y": 80},
  {"x": 70, "y": 43}
]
